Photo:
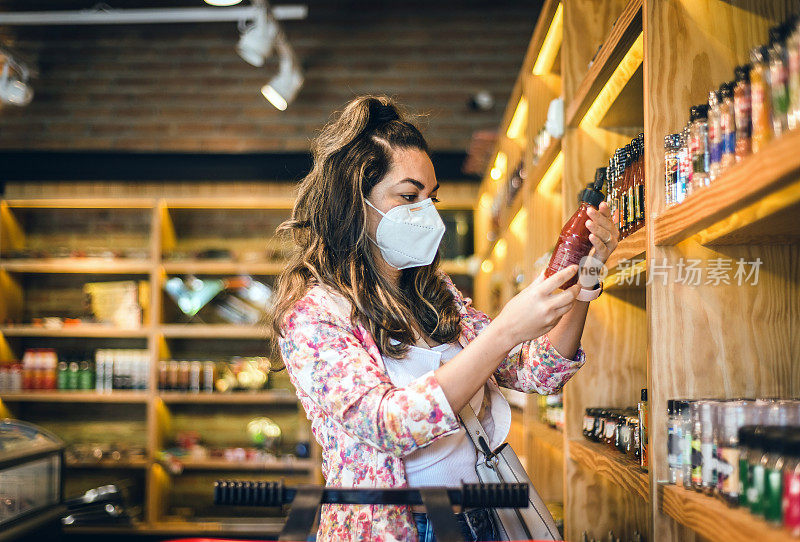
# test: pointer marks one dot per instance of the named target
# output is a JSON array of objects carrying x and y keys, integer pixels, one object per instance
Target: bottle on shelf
[
  {"x": 778, "y": 83},
  {"x": 573, "y": 242},
  {"x": 698, "y": 146},
  {"x": 760, "y": 96},
  {"x": 714, "y": 135},
  {"x": 727, "y": 153},
  {"x": 742, "y": 111},
  {"x": 672, "y": 147},
  {"x": 643, "y": 428}
]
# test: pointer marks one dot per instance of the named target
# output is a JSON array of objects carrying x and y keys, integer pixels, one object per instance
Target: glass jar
[
  {"x": 714, "y": 135},
  {"x": 698, "y": 146},
  {"x": 727, "y": 128},
  {"x": 791, "y": 483},
  {"x": 742, "y": 111},
  {"x": 672, "y": 146},
  {"x": 760, "y": 95}
]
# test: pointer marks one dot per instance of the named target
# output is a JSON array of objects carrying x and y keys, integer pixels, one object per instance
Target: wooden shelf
[
  {"x": 627, "y": 262},
  {"x": 611, "y": 465},
  {"x": 77, "y": 265},
  {"x": 714, "y": 520},
  {"x": 273, "y": 397},
  {"x": 108, "y": 464},
  {"x": 550, "y": 436},
  {"x": 625, "y": 31},
  {"x": 212, "y": 331},
  {"x": 81, "y": 203},
  {"x": 223, "y": 267},
  {"x": 233, "y": 528},
  {"x": 533, "y": 180},
  {"x": 37, "y": 396},
  {"x": 755, "y": 202},
  {"x": 80, "y": 330},
  {"x": 302, "y": 465}
]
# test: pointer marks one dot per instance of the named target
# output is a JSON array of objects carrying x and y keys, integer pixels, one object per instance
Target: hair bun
[{"x": 381, "y": 113}]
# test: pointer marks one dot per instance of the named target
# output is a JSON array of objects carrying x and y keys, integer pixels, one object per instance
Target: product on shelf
[
  {"x": 644, "y": 427},
  {"x": 744, "y": 451},
  {"x": 573, "y": 243},
  {"x": 87, "y": 453},
  {"x": 206, "y": 376},
  {"x": 618, "y": 428},
  {"x": 741, "y": 117},
  {"x": 551, "y": 410},
  {"x": 121, "y": 369},
  {"x": 626, "y": 186},
  {"x": 119, "y": 302}
]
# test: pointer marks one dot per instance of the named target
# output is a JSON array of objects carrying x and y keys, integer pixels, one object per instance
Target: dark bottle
[
  {"x": 573, "y": 242},
  {"x": 640, "y": 182}
]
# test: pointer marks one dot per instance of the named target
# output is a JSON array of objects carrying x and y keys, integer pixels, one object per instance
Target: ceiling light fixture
[
  {"x": 223, "y": 3},
  {"x": 255, "y": 43},
  {"x": 14, "y": 90},
  {"x": 283, "y": 88}
]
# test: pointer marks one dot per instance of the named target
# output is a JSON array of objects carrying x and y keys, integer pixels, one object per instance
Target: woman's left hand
[{"x": 604, "y": 234}]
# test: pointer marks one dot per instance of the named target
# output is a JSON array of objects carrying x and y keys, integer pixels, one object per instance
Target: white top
[{"x": 449, "y": 460}]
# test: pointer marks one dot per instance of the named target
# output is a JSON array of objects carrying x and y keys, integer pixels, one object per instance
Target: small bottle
[
  {"x": 742, "y": 111},
  {"x": 773, "y": 475},
  {"x": 709, "y": 474},
  {"x": 673, "y": 441},
  {"x": 573, "y": 243},
  {"x": 746, "y": 436},
  {"x": 72, "y": 375},
  {"x": 643, "y": 428},
  {"x": 726, "y": 443},
  {"x": 672, "y": 145},
  {"x": 761, "y": 102},
  {"x": 62, "y": 380},
  {"x": 686, "y": 445},
  {"x": 640, "y": 199},
  {"x": 727, "y": 128},
  {"x": 85, "y": 376},
  {"x": 756, "y": 463},
  {"x": 697, "y": 454},
  {"x": 793, "y": 75},
  {"x": 624, "y": 199},
  {"x": 714, "y": 135},
  {"x": 698, "y": 146},
  {"x": 791, "y": 484},
  {"x": 779, "y": 88},
  {"x": 619, "y": 167}
]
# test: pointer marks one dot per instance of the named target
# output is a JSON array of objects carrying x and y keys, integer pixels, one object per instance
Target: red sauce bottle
[{"x": 573, "y": 242}]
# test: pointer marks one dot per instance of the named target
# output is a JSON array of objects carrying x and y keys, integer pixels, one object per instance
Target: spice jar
[
  {"x": 698, "y": 146},
  {"x": 760, "y": 95},
  {"x": 742, "y": 111},
  {"x": 714, "y": 135},
  {"x": 727, "y": 127},
  {"x": 672, "y": 145}
]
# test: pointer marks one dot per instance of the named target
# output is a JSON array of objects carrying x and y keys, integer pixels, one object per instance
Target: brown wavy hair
[{"x": 351, "y": 154}]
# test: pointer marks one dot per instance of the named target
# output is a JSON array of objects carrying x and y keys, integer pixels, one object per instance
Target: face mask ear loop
[
  {"x": 370, "y": 204},
  {"x": 373, "y": 240}
]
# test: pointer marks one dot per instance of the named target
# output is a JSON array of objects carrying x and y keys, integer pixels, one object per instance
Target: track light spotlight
[
  {"x": 255, "y": 42},
  {"x": 281, "y": 89},
  {"x": 15, "y": 90}
]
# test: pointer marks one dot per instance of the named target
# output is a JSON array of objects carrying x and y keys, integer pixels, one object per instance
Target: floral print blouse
[{"x": 364, "y": 424}]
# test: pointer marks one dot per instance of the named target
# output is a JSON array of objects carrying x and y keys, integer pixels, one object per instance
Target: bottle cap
[
  {"x": 670, "y": 407},
  {"x": 726, "y": 90},
  {"x": 742, "y": 73},
  {"x": 701, "y": 112},
  {"x": 644, "y": 394},
  {"x": 593, "y": 195}
]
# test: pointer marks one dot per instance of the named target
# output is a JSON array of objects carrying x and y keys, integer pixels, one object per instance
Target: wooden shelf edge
[
  {"x": 212, "y": 331},
  {"x": 299, "y": 465},
  {"x": 611, "y": 465},
  {"x": 82, "y": 330},
  {"x": 713, "y": 519},
  {"x": 119, "y": 397},
  {"x": 82, "y": 202},
  {"x": 632, "y": 247},
  {"x": 123, "y": 465},
  {"x": 755, "y": 178},
  {"x": 77, "y": 265},
  {"x": 624, "y": 32},
  {"x": 262, "y": 398},
  {"x": 222, "y": 267}
]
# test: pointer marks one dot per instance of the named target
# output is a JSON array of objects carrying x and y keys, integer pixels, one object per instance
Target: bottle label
[
  {"x": 697, "y": 463},
  {"x": 727, "y": 471},
  {"x": 708, "y": 470},
  {"x": 773, "y": 494},
  {"x": 640, "y": 199},
  {"x": 742, "y": 112},
  {"x": 566, "y": 255},
  {"x": 791, "y": 499}
]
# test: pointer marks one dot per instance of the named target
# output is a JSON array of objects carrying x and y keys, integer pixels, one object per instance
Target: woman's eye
[
  {"x": 435, "y": 200},
  {"x": 409, "y": 197}
]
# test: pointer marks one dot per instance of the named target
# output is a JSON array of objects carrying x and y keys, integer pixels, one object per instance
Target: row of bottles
[
  {"x": 626, "y": 186},
  {"x": 740, "y": 117}
]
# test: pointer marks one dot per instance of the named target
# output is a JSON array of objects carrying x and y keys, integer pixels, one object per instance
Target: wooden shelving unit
[
  {"x": 299, "y": 465},
  {"x": 78, "y": 330},
  {"x": 118, "y": 397},
  {"x": 626, "y": 67},
  {"x": 272, "y": 397}
]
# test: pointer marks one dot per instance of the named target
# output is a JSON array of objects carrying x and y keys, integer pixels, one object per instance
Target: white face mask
[{"x": 409, "y": 235}]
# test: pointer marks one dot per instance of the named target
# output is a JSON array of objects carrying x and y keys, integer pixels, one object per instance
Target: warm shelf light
[
  {"x": 611, "y": 90},
  {"x": 499, "y": 168},
  {"x": 487, "y": 266},
  {"x": 501, "y": 249},
  {"x": 517, "y": 226},
  {"x": 552, "y": 176},
  {"x": 551, "y": 44},
  {"x": 485, "y": 201},
  {"x": 516, "y": 128}
]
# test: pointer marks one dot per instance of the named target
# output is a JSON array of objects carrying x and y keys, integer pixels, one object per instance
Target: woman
[{"x": 383, "y": 349}]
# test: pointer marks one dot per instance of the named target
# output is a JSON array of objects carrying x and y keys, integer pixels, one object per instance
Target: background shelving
[{"x": 157, "y": 227}]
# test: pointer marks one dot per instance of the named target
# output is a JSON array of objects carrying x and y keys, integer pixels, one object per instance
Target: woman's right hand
[{"x": 537, "y": 308}]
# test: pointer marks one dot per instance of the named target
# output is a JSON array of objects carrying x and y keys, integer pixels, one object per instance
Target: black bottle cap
[
  {"x": 670, "y": 406},
  {"x": 594, "y": 195},
  {"x": 726, "y": 90},
  {"x": 742, "y": 73}
]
